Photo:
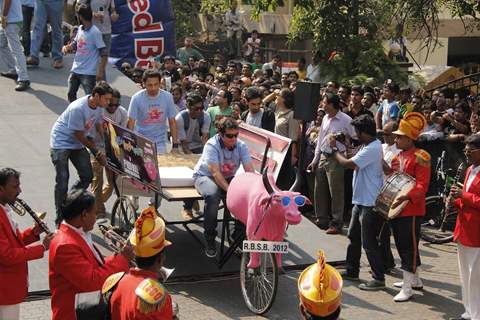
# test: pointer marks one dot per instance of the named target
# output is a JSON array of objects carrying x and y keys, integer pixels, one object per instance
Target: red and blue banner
[{"x": 145, "y": 29}]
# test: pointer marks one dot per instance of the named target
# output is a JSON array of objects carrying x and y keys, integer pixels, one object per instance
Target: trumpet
[
  {"x": 114, "y": 240},
  {"x": 21, "y": 207}
]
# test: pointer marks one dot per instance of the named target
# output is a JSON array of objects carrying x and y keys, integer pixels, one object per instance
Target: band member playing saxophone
[
  {"x": 15, "y": 248},
  {"x": 406, "y": 226},
  {"x": 140, "y": 294},
  {"x": 75, "y": 264},
  {"x": 467, "y": 230}
]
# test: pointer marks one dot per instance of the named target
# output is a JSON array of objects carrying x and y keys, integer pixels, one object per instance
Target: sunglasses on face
[
  {"x": 298, "y": 200},
  {"x": 231, "y": 135},
  {"x": 113, "y": 105},
  {"x": 198, "y": 109}
]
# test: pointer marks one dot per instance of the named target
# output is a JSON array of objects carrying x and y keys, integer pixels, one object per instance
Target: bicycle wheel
[
  {"x": 433, "y": 229},
  {"x": 123, "y": 214},
  {"x": 259, "y": 285}
]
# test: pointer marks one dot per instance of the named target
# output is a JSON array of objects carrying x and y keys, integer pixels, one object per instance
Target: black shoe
[
  {"x": 22, "y": 85},
  {"x": 347, "y": 276},
  {"x": 458, "y": 318},
  {"x": 372, "y": 285},
  {"x": 9, "y": 75},
  {"x": 211, "y": 250}
]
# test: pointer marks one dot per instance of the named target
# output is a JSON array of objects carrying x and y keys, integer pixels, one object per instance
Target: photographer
[{"x": 329, "y": 174}]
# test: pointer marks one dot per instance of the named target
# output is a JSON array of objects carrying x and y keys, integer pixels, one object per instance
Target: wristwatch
[{"x": 174, "y": 145}]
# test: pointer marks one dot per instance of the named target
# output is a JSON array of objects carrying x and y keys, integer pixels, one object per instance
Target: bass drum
[{"x": 397, "y": 184}]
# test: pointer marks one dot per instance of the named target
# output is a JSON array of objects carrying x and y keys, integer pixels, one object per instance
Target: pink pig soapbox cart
[{"x": 139, "y": 172}]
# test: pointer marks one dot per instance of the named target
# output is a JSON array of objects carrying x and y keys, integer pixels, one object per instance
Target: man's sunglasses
[
  {"x": 231, "y": 135},
  {"x": 113, "y": 105}
]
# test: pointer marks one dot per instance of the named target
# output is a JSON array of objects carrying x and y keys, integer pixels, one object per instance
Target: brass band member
[
  {"x": 75, "y": 264},
  {"x": 406, "y": 227},
  {"x": 128, "y": 293},
  {"x": 15, "y": 248},
  {"x": 467, "y": 230}
]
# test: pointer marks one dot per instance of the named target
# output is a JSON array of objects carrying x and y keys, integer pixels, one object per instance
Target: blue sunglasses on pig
[{"x": 298, "y": 200}]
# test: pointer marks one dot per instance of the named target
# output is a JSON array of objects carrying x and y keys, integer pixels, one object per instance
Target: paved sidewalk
[{"x": 222, "y": 299}]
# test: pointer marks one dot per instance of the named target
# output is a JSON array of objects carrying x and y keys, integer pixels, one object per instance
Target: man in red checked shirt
[
  {"x": 140, "y": 294},
  {"x": 406, "y": 226},
  {"x": 16, "y": 248}
]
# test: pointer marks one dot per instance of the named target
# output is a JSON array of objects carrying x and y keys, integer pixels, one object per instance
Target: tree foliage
[
  {"x": 357, "y": 29},
  {"x": 185, "y": 12}
]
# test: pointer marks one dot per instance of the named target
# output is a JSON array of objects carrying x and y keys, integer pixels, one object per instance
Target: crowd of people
[{"x": 361, "y": 136}]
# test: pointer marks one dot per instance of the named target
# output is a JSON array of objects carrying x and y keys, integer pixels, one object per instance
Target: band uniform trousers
[
  {"x": 329, "y": 192},
  {"x": 406, "y": 232},
  {"x": 469, "y": 267}
]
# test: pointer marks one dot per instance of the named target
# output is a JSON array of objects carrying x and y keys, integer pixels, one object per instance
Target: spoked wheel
[
  {"x": 433, "y": 229},
  {"x": 259, "y": 285},
  {"x": 123, "y": 214}
]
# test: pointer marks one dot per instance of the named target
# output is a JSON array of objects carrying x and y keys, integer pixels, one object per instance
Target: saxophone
[
  {"x": 21, "y": 207},
  {"x": 448, "y": 204}
]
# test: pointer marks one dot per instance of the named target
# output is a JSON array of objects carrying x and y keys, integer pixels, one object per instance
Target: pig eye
[
  {"x": 285, "y": 201},
  {"x": 299, "y": 201}
]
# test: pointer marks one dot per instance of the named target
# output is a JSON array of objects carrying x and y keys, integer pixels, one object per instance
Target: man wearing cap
[
  {"x": 139, "y": 294},
  {"x": 320, "y": 291},
  {"x": 406, "y": 226}
]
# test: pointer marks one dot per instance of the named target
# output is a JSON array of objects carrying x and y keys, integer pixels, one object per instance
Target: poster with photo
[{"x": 130, "y": 153}]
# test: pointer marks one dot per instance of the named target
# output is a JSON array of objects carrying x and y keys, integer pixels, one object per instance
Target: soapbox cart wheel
[
  {"x": 259, "y": 285},
  {"x": 123, "y": 214}
]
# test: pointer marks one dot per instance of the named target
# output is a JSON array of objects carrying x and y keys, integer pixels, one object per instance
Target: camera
[{"x": 339, "y": 136}]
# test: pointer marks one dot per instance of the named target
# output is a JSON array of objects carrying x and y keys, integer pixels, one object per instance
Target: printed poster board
[{"x": 129, "y": 153}]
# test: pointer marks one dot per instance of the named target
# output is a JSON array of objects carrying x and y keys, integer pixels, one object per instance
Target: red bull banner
[{"x": 145, "y": 29}]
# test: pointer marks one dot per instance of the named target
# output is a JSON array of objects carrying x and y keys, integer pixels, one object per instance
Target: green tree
[
  {"x": 185, "y": 12},
  {"x": 356, "y": 29}
]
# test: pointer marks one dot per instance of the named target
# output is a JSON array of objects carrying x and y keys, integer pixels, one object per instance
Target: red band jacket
[
  {"x": 416, "y": 163},
  {"x": 73, "y": 269},
  {"x": 14, "y": 255},
  {"x": 467, "y": 228},
  {"x": 124, "y": 301}
]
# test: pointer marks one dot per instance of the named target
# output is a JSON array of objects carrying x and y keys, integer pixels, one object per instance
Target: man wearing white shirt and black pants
[
  {"x": 329, "y": 174},
  {"x": 365, "y": 225}
]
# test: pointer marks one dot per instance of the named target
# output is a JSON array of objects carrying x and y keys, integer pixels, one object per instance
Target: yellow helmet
[
  {"x": 320, "y": 288},
  {"x": 148, "y": 236},
  {"x": 411, "y": 125}
]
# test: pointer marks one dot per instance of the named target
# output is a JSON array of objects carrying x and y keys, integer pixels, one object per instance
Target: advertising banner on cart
[
  {"x": 145, "y": 29},
  {"x": 131, "y": 154}
]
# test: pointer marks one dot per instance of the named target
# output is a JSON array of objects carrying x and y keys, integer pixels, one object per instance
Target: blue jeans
[
  {"x": 75, "y": 80},
  {"x": 212, "y": 194},
  {"x": 11, "y": 51},
  {"x": 80, "y": 159},
  {"x": 363, "y": 230},
  {"x": 51, "y": 10},
  {"x": 188, "y": 204}
]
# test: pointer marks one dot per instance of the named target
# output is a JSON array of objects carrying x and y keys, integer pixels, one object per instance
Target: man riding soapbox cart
[{"x": 252, "y": 198}]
